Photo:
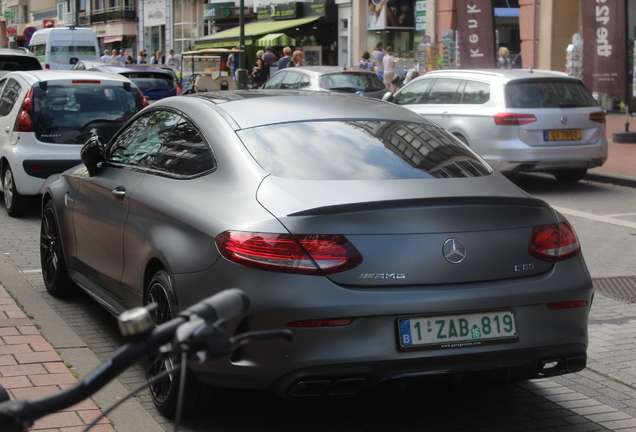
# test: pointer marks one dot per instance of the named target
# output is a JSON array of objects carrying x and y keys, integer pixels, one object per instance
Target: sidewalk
[
  {"x": 620, "y": 167},
  {"x": 30, "y": 366}
]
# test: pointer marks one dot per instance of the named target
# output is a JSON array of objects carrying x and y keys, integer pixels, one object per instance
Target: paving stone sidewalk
[{"x": 30, "y": 367}]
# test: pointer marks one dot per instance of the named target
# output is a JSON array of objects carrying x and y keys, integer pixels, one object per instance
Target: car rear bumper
[{"x": 369, "y": 348}]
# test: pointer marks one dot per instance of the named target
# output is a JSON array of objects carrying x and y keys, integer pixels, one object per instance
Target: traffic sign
[{"x": 28, "y": 32}]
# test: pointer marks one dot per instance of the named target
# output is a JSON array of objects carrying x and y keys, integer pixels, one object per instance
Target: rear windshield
[
  {"x": 151, "y": 81},
  {"x": 548, "y": 94},
  {"x": 66, "y": 115},
  {"x": 352, "y": 82},
  {"x": 18, "y": 63},
  {"x": 360, "y": 150}
]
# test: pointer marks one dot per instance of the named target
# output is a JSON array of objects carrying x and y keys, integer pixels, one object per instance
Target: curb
[{"x": 611, "y": 178}]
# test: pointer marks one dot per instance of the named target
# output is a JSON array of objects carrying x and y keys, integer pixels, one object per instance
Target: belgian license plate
[
  {"x": 562, "y": 135},
  {"x": 454, "y": 331}
]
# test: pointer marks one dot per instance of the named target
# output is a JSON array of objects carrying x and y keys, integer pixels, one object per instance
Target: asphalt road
[{"x": 602, "y": 397}]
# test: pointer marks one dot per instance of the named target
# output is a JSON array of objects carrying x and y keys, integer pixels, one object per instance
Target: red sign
[
  {"x": 12, "y": 31},
  {"x": 49, "y": 23}
]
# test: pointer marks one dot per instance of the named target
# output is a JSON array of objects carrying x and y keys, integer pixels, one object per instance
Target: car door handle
[{"x": 119, "y": 193}]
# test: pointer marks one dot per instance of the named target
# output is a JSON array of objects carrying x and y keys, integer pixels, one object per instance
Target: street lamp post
[{"x": 241, "y": 72}]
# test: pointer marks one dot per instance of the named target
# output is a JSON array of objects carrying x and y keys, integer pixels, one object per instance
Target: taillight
[
  {"x": 24, "y": 122},
  {"x": 178, "y": 89},
  {"x": 144, "y": 101},
  {"x": 510, "y": 119},
  {"x": 47, "y": 66},
  {"x": 598, "y": 116},
  {"x": 554, "y": 242},
  {"x": 304, "y": 254},
  {"x": 567, "y": 305}
]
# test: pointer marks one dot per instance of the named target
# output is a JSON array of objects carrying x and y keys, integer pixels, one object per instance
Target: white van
[{"x": 61, "y": 48}]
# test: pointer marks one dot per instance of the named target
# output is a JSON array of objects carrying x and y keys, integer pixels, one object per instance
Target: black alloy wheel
[
  {"x": 164, "y": 392},
  {"x": 52, "y": 260}
]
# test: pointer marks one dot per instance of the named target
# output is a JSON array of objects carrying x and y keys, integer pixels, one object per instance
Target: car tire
[
  {"x": 15, "y": 203},
  {"x": 52, "y": 260},
  {"x": 164, "y": 392},
  {"x": 462, "y": 139},
  {"x": 570, "y": 175}
]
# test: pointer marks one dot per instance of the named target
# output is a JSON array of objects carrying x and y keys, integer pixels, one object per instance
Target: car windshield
[
  {"x": 17, "y": 63},
  {"x": 68, "y": 114},
  {"x": 360, "y": 150},
  {"x": 352, "y": 81},
  {"x": 548, "y": 94},
  {"x": 151, "y": 81}
]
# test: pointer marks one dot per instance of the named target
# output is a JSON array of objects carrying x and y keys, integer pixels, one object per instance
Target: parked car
[
  {"x": 390, "y": 248},
  {"x": 155, "y": 83},
  {"x": 17, "y": 60},
  {"x": 47, "y": 116},
  {"x": 88, "y": 64},
  {"x": 328, "y": 78},
  {"x": 518, "y": 120}
]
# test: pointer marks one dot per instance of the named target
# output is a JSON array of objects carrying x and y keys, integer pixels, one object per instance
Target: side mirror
[
  {"x": 388, "y": 97},
  {"x": 92, "y": 154}
]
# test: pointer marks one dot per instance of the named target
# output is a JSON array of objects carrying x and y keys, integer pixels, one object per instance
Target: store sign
[
  {"x": 12, "y": 31},
  {"x": 476, "y": 34},
  {"x": 275, "y": 12},
  {"x": 317, "y": 8},
  {"x": 604, "y": 48},
  {"x": 214, "y": 11},
  {"x": 155, "y": 13},
  {"x": 394, "y": 14},
  {"x": 420, "y": 15}
]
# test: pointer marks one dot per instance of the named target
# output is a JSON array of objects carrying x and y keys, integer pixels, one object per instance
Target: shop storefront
[{"x": 309, "y": 27}]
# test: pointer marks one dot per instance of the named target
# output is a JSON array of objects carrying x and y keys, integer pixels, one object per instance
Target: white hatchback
[
  {"x": 46, "y": 117},
  {"x": 517, "y": 120}
]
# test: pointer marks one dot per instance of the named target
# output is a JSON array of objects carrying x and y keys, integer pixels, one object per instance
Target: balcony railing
[{"x": 117, "y": 13}]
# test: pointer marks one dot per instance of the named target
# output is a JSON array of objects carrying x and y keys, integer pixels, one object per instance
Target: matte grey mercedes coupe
[{"x": 390, "y": 248}]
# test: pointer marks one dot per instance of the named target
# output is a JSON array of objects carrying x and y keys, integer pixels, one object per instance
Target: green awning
[
  {"x": 222, "y": 44},
  {"x": 253, "y": 30},
  {"x": 276, "y": 39}
]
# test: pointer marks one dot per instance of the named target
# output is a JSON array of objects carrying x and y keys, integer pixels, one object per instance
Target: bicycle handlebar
[{"x": 18, "y": 415}]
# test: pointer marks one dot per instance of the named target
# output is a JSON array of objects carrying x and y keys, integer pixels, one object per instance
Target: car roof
[
  {"x": 499, "y": 74},
  {"x": 251, "y": 108},
  {"x": 320, "y": 70},
  {"x": 15, "y": 52},
  {"x": 131, "y": 68},
  {"x": 65, "y": 75}
]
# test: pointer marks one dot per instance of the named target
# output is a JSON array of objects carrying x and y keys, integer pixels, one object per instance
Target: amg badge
[{"x": 382, "y": 276}]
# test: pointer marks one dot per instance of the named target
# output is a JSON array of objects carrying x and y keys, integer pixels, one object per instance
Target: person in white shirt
[
  {"x": 106, "y": 57},
  {"x": 388, "y": 63},
  {"x": 377, "y": 56}
]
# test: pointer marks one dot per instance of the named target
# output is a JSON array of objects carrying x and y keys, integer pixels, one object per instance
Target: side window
[
  {"x": 38, "y": 49},
  {"x": 274, "y": 81},
  {"x": 184, "y": 152},
  {"x": 443, "y": 91},
  {"x": 304, "y": 81},
  {"x": 10, "y": 91},
  {"x": 475, "y": 93},
  {"x": 413, "y": 93},
  {"x": 139, "y": 144},
  {"x": 290, "y": 81}
]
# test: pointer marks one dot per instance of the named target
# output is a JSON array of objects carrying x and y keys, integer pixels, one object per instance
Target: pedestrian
[
  {"x": 366, "y": 63},
  {"x": 388, "y": 64},
  {"x": 106, "y": 57},
  {"x": 269, "y": 58},
  {"x": 170, "y": 59},
  {"x": 157, "y": 58},
  {"x": 282, "y": 62},
  {"x": 139, "y": 56},
  {"x": 503, "y": 62},
  {"x": 411, "y": 74},
  {"x": 143, "y": 58},
  {"x": 517, "y": 62},
  {"x": 377, "y": 56},
  {"x": 297, "y": 59},
  {"x": 129, "y": 60},
  {"x": 232, "y": 63},
  {"x": 122, "y": 57},
  {"x": 258, "y": 76}
]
